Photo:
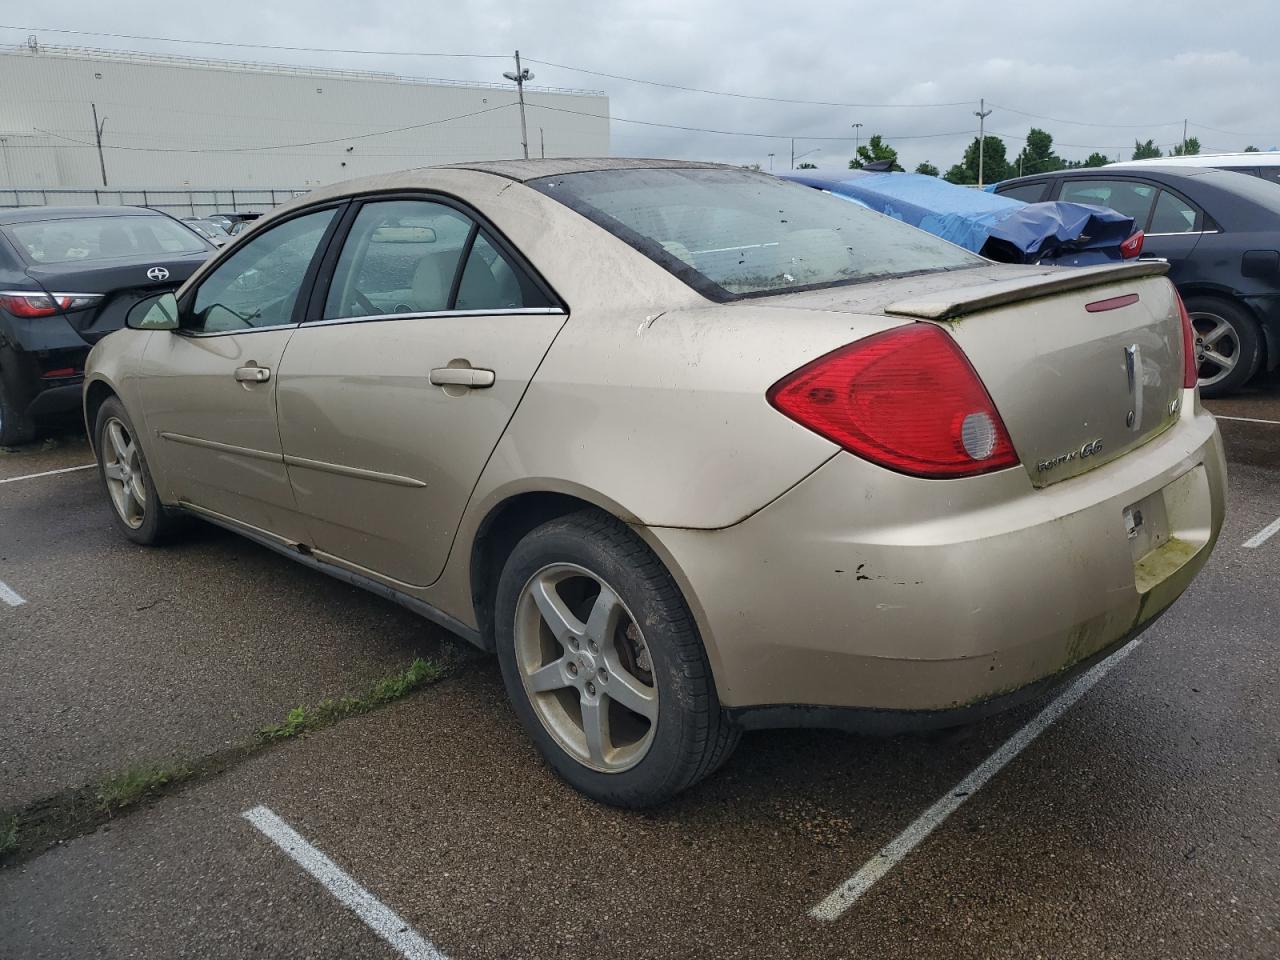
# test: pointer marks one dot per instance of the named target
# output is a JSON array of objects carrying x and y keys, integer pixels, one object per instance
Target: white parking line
[
  {"x": 1246, "y": 419},
  {"x": 1265, "y": 534},
  {"x": 380, "y": 918},
  {"x": 10, "y": 596},
  {"x": 49, "y": 473},
  {"x": 845, "y": 895}
]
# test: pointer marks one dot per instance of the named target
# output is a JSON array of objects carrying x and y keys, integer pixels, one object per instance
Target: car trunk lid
[
  {"x": 1083, "y": 364},
  {"x": 121, "y": 282}
]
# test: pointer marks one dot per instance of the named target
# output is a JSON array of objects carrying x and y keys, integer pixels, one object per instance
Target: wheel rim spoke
[
  {"x": 595, "y": 724},
  {"x": 137, "y": 492},
  {"x": 564, "y": 625},
  {"x": 629, "y": 692},
  {"x": 553, "y": 676},
  {"x": 603, "y": 620},
  {"x": 113, "y": 471},
  {"x": 1220, "y": 329},
  {"x": 115, "y": 433},
  {"x": 1218, "y": 360}
]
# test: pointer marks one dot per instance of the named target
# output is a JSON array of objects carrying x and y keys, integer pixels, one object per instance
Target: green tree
[
  {"x": 874, "y": 151},
  {"x": 1251, "y": 149},
  {"x": 995, "y": 166},
  {"x": 1146, "y": 151},
  {"x": 1096, "y": 159},
  {"x": 1038, "y": 156},
  {"x": 807, "y": 166},
  {"x": 1188, "y": 148},
  {"x": 928, "y": 169}
]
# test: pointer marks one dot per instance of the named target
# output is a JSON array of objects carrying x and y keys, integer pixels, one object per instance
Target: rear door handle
[
  {"x": 253, "y": 374},
  {"x": 462, "y": 377}
]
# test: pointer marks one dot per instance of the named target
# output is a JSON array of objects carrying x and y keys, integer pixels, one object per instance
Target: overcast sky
[{"x": 1109, "y": 72}]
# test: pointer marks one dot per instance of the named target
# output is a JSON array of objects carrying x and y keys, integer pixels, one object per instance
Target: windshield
[
  {"x": 735, "y": 233},
  {"x": 103, "y": 238}
]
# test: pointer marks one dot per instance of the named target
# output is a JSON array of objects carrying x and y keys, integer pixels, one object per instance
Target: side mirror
[{"x": 159, "y": 312}]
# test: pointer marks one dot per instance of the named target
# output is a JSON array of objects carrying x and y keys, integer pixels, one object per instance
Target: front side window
[
  {"x": 78, "y": 239},
  {"x": 419, "y": 256},
  {"x": 1133, "y": 198},
  {"x": 734, "y": 233},
  {"x": 259, "y": 284}
]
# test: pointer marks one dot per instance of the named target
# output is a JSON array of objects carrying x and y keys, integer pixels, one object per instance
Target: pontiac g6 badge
[
  {"x": 1090, "y": 449},
  {"x": 157, "y": 274}
]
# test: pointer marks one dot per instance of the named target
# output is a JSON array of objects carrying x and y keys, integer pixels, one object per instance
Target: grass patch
[
  {"x": 305, "y": 719},
  {"x": 8, "y": 835},
  {"x": 137, "y": 783}
]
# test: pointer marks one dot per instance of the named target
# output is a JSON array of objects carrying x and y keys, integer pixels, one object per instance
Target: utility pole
[
  {"x": 857, "y": 129},
  {"x": 542, "y": 140},
  {"x": 97, "y": 132},
  {"x": 520, "y": 76},
  {"x": 793, "y": 153},
  {"x": 981, "y": 113},
  {"x": 1184, "y": 135}
]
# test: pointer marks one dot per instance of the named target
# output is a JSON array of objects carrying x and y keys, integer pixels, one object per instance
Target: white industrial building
[{"x": 189, "y": 124}]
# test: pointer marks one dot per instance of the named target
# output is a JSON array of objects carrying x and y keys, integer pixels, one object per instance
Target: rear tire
[
  {"x": 624, "y": 647},
  {"x": 15, "y": 426},
  {"x": 126, "y": 479},
  {"x": 1228, "y": 344}
]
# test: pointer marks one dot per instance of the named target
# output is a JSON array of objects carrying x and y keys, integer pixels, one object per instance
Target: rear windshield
[
  {"x": 737, "y": 233},
  {"x": 103, "y": 238}
]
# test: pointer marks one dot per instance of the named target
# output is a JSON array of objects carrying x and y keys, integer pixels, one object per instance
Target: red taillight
[
  {"x": 1190, "y": 369},
  {"x": 907, "y": 399},
  {"x": 22, "y": 304},
  {"x": 1133, "y": 246}
]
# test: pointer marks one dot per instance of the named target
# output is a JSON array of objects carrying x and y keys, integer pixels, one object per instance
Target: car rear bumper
[
  {"x": 863, "y": 589},
  {"x": 37, "y": 381}
]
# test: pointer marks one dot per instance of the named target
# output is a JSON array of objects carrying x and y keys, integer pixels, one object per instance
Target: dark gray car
[{"x": 1220, "y": 232}]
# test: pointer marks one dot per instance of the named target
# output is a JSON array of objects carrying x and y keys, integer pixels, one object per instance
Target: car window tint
[
  {"x": 490, "y": 281},
  {"x": 258, "y": 285},
  {"x": 1174, "y": 215},
  {"x": 69, "y": 240},
  {"x": 1027, "y": 192},
  {"x": 401, "y": 256},
  {"x": 1133, "y": 198}
]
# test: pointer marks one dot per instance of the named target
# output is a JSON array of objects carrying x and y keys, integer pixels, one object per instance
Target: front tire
[
  {"x": 603, "y": 663},
  {"x": 126, "y": 478},
  {"x": 1228, "y": 344}
]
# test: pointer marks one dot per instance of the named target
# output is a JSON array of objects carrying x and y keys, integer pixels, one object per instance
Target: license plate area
[{"x": 1146, "y": 524}]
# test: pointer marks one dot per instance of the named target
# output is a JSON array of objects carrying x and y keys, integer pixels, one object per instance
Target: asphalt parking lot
[{"x": 1143, "y": 821}]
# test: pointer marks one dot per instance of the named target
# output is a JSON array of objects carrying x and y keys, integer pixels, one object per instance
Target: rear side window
[
  {"x": 1026, "y": 192},
  {"x": 103, "y": 238},
  {"x": 734, "y": 233},
  {"x": 419, "y": 256},
  {"x": 1175, "y": 215},
  {"x": 1133, "y": 198}
]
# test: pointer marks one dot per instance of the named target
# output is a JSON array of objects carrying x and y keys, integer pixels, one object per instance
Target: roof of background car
[
  {"x": 1114, "y": 171},
  {"x": 30, "y": 214}
]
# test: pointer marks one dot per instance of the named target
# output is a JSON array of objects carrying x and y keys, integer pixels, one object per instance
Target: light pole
[
  {"x": 771, "y": 163},
  {"x": 857, "y": 130},
  {"x": 97, "y": 133},
  {"x": 981, "y": 113},
  {"x": 519, "y": 77}
]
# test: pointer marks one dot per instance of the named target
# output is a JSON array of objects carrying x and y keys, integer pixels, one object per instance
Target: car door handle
[
  {"x": 462, "y": 377},
  {"x": 253, "y": 374}
]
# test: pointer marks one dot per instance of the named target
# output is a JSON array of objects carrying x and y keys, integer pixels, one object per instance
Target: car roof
[
  {"x": 1112, "y": 170},
  {"x": 1257, "y": 158},
  {"x": 32, "y": 214},
  {"x": 525, "y": 170}
]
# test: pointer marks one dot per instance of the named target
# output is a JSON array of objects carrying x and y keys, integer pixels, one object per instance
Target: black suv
[
  {"x": 68, "y": 276},
  {"x": 1220, "y": 232}
]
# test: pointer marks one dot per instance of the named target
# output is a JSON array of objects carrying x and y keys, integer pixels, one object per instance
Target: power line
[{"x": 1084, "y": 123}]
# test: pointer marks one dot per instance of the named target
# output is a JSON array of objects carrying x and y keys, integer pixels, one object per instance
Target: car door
[
  {"x": 1173, "y": 233},
  {"x": 395, "y": 391},
  {"x": 209, "y": 388},
  {"x": 1172, "y": 225}
]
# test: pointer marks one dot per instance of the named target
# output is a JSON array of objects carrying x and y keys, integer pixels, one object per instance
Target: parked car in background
[
  {"x": 693, "y": 449},
  {"x": 1262, "y": 164},
  {"x": 1219, "y": 232},
  {"x": 68, "y": 276},
  {"x": 211, "y": 230},
  {"x": 1000, "y": 228}
]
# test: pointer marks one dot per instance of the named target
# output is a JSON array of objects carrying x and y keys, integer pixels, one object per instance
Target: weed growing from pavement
[
  {"x": 73, "y": 813},
  {"x": 326, "y": 712},
  {"x": 135, "y": 784}
]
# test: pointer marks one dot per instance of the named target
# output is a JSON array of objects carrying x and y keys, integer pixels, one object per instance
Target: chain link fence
[{"x": 180, "y": 203}]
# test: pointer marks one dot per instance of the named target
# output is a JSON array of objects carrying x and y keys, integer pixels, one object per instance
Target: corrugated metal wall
[{"x": 178, "y": 122}]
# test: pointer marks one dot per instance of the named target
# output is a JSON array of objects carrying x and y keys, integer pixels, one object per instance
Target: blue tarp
[{"x": 974, "y": 219}]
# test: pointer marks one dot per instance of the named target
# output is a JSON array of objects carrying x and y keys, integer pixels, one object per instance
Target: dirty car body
[{"x": 751, "y": 454}]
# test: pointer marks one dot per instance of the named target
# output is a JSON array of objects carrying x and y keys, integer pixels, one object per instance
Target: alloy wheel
[
  {"x": 1217, "y": 347},
  {"x": 586, "y": 667},
  {"x": 122, "y": 466}
]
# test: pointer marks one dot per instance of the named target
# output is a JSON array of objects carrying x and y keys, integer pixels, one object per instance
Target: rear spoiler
[{"x": 949, "y": 304}]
